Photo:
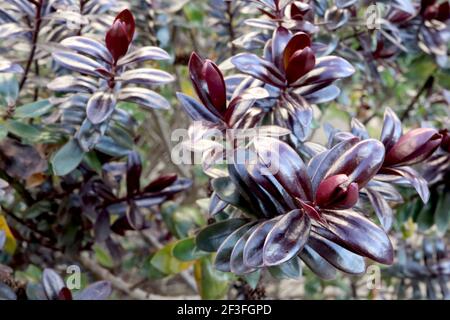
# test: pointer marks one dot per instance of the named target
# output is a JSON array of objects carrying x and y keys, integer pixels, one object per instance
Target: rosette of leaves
[
  {"x": 285, "y": 210},
  {"x": 402, "y": 152},
  {"x": 220, "y": 114},
  {"x": 418, "y": 268},
  {"x": 297, "y": 16},
  {"x": 107, "y": 76},
  {"x": 42, "y": 21},
  {"x": 294, "y": 77},
  {"x": 103, "y": 200}
]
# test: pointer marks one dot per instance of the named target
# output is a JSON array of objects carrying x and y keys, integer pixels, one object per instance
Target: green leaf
[
  {"x": 252, "y": 278},
  {"x": 289, "y": 270},
  {"x": 93, "y": 162},
  {"x": 3, "y": 131},
  {"x": 34, "y": 109},
  {"x": 108, "y": 146},
  {"x": 103, "y": 257},
  {"x": 164, "y": 261},
  {"x": 442, "y": 215},
  {"x": 425, "y": 219},
  {"x": 211, "y": 283},
  {"x": 23, "y": 130},
  {"x": 181, "y": 220},
  {"x": 67, "y": 158},
  {"x": 211, "y": 237},
  {"x": 9, "y": 89},
  {"x": 37, "y": 209},
  {"x": 186, "y": 250}
]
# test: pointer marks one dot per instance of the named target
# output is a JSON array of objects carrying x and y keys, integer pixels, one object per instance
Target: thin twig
[
  {"x": 121, "y": 285},
  {"x": 427, "y": 85}
]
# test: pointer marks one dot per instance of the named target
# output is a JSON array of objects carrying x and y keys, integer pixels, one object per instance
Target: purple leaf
[
  {"x": 320, "y": 164},
  {"x": 382, "y": 208},
  {"x": 144, "y": 97},
  {"x": 286, "y": 238},
  {"x": 258, "y": 68},
  {"x": 222, "y": 260},
  {"x": 79, "y": 63},
  {"x": 317, "y": 264},
  {"x": 100, "y": 106},
  {"x": 99, "y": 290},
  {"x": 146, "y": 76},
  {"x": 411, "y": 176},
  {"x": 280, "y": 39},
  {"x": 253, "y": 250},
  {"x": 285, "y": 165},
  {"x": 339, "y": 257},
  {"x": 360, "y": 163},
  {"x": 357, "y": 234},
  {"x": 392, "y": 129},
  {"x": 52, "y": 284},
  {"x": 134, "y": 170},
  {"x": 323, "y": 95},
  {"x": 143, "y": 54},
  {"x": 89, "y": 47},
  {"x": 195, "y": 110}
]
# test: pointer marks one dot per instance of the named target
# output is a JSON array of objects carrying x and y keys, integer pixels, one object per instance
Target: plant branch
[
  {"x": 121, "y": 285},
  {"x": 426, "y": 86},
  {"x": 37, "y": 27}
]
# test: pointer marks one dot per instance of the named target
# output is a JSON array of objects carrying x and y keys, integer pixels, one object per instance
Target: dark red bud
[
  {"x": 413, "y": 147},
  {"x": 161, "y": 183},
  {"x": 120, "y": 35},
  {"x": 445, "y": 143},
  {"x": 300, "y": 63},
  {"x": 335, "y": 192},
  {"x": 65, "y": 294},
  {"x": 298, "y": 42},
  {"x": 216, "y": 85}
]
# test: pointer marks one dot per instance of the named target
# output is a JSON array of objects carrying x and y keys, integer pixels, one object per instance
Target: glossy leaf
[
  {"x": 210, "y": 238},
  {"x": 286, "y": 238},
  {"x": 100, "y": 107}
]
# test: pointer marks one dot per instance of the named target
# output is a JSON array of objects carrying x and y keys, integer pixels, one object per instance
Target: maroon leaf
[
  {"x": 357, "y": 234},
  {"x": 360, "y": 163},
  {"x": 134, "y": 216},
  {"x": 117, "y": 40},
  {"x": 222, "y": 261},
  {"x": 253, "y": 250},
  {"x": 298, "y": 42},
  {"x": 134, "y": 170},
  {"x": 413, "y": 147},
  {"x": 300, "y": 63},
  {"x": 216, "y": 85},
  {"x": 339, "y": 257},
  {"x": 161, "y": 182},
  {"x": 285, "y": 165},
  {"x": 77, "y": 62},
  {"x": 320, "y": 164},
  {"x": 65, "y": 294},
  {"x": 411, "y": 176},
  {"x": 286, "y": 238},
  {"x": 382, "y": 208},
  {"x": 237, "y": 265},
  {"x": 392, "y": 129},
  {"x": 317, "y": 264},
  {"x": 336, "y": 192}
]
